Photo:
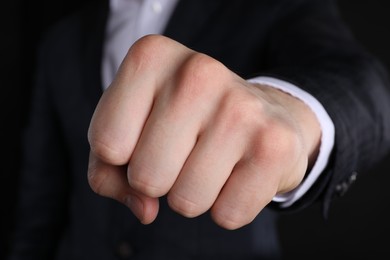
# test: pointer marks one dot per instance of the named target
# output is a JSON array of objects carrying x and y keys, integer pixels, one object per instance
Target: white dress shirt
[{"x": 129, "y": 20}]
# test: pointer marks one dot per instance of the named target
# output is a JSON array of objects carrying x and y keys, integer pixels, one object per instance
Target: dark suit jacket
[{"x": 300, "y": 41}]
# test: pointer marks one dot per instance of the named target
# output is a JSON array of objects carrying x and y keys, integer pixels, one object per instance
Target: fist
[{"x": 178, "y": 123}]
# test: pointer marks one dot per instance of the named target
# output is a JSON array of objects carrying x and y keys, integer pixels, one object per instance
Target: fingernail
[{"x": 135, "y": 205}]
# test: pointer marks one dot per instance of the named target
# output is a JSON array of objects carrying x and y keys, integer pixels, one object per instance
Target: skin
[{"x": 176, "y": 122}]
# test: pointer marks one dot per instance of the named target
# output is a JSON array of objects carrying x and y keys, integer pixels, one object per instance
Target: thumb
[
  {"x": 143, "y": 207},
  {"x": 111, "y": 181}
]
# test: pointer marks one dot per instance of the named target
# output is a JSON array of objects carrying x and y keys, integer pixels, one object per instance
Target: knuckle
[
  {"x": 271, "y": 147},
  {"x": 229, "y": 219},
  {"x": 96, "y": 180},
  {"x": 141, "y": 178},
  {"x": 284, "y": 142},
  {"x": 201, "y": 65},
  {"x": 184, "y": 206},
  {"x": 146, "y": 187},
  {"x": 242, "y": 110},
  {"x": 198, "y": 76},
  {"x": 152, "y": 41},
  {"x": 108, "y": 151},
  {"x": 144, "y": 52},
  {"x": 246, "y": 113},
  {"x": 279, "y": 138}
]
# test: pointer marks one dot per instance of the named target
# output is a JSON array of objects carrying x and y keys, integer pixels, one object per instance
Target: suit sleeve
[
  {"x": 41, "y": 210},
  {"x": 311, "y": 47}
]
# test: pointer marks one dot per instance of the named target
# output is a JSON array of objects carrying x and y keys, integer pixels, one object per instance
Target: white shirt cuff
[{"x": 327, "y": 137}]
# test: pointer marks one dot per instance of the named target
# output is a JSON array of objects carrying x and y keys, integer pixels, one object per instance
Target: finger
[
  {"x": 254, "y": 182},
  {"x": 161, "y": 151},
  {"x": 212, "y": 160},
  {"x": 173, "y": 126},
  {"x": 123, "y": 109},
  {"x": 111, "y": 181},
  {"x": 245, "y": 194},
  {"x": 204, "y": 173},
  {"x": 119, "y": 117}
]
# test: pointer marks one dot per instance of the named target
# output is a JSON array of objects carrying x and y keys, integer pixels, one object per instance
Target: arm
[
  {"x": 308, "y": 47},
  {"x": 312, "y": 48}
]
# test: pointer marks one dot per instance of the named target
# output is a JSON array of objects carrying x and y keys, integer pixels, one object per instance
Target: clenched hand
[{"x": 179, "y": 123}]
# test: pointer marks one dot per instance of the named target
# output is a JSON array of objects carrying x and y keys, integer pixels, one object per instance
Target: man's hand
[{"x": 179, "y": 123}]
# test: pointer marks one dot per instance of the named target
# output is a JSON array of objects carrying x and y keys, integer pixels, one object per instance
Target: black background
[{"x": 358, "y": 224}]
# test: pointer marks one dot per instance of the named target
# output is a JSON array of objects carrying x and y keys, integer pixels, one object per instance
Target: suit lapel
[{"x": 189, "y": 19}]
